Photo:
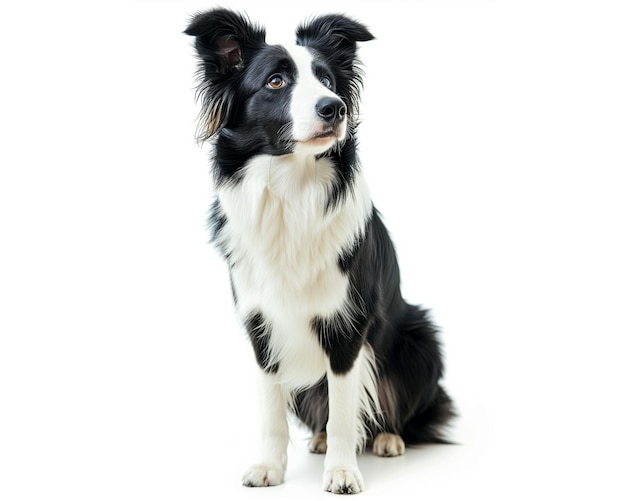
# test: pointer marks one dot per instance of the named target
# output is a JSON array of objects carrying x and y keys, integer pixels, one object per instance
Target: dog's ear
[
  {"x": 335, "y": 37},
  {"x": 225, "y": 40},
  {"x": 333, "y": 32}
]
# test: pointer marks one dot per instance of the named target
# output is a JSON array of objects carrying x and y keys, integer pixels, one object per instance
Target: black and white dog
[{"x": 313, "y": 270}]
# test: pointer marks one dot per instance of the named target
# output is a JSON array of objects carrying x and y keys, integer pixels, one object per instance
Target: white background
[{"x": 493, "y": 135}]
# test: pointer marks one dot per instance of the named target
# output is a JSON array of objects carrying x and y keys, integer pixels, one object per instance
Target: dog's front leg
[
  {"x": 341, "y": 473},
  {"x": 270, "y": 470}
]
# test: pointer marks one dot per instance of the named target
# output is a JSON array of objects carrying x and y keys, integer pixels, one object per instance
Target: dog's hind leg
[
  {"x": 317, "y": 445},
  {"x": 388, "y": 445}
]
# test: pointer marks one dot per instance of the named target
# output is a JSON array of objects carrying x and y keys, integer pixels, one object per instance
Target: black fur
[
  {"x": 408, "y": 354},
  {"x": 259, "y": 332},
  {"x": 247, "y": 120}
]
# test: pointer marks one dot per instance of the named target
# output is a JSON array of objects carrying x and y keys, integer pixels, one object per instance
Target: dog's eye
[
  {"x": 276, "y": 82},
  {"x": 326, "y": 82}
]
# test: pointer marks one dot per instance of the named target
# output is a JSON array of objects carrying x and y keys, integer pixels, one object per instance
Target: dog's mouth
[
  {"x": 331, "y": 134},
  {"x": 323, "y": 135}
]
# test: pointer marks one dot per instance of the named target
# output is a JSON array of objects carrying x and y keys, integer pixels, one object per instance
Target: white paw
[
  {"x": 263, "y": 475},
  {"x": 317, "y": 445},
  {"x": 343, "y": 480},
  {"x": 388, "y": 445}
]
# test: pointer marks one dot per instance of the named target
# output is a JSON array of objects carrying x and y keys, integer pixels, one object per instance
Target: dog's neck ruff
[{"x": 280, "y": 225}]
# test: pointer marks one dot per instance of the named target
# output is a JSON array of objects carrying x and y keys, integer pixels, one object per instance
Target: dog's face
[
  {"x": 278, "y": 99},
  {"x": 289, "y": 102}
]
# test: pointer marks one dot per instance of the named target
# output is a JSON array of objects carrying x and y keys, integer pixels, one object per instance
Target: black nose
[{"x": 331, "y": 109}]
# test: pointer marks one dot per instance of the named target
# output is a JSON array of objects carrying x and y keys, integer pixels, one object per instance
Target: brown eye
[{"x": 276, "y": 82}]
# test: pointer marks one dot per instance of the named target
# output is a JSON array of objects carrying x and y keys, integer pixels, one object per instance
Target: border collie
[{"x": 313, "y": 270}]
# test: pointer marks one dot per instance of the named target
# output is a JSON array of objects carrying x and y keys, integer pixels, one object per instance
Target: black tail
[
  {"x": 414, "y": 403},
  {"x": 429, "y": 426}
]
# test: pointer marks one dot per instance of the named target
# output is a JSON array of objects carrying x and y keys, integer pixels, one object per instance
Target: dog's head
[{"x": 278, "y": 99}]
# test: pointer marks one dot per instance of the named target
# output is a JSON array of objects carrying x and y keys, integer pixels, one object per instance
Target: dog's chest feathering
[{"x": 284, "y": 246}]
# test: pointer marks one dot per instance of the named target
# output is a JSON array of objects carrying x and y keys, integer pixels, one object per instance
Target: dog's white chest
[
  {"x": 284, "y": 247},
  {"x": 283, "y": 242}
]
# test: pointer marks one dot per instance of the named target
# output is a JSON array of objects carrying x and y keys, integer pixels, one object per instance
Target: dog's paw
[
  {"x": 388, "y": 445},
  {"x": 263, "y": 475},
  {"x": 343, "y": 480},
  {"x": 317, "y": 445}
]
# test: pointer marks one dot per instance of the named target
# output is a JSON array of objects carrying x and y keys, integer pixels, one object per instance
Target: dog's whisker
[{"x": 285, "y": 133}]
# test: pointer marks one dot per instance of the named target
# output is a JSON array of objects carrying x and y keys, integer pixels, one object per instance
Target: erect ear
[
  {"x": 225, "y": 41},
  {"x": 335, "y": 37}
]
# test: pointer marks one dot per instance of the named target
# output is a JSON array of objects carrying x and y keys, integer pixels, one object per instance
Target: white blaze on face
[{"x": 306, "y": 94}]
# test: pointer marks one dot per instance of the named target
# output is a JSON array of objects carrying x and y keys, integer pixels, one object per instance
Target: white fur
[
  {"x": 340, "y": 466},
  {"x": 274, "y": 435},
  {"x": 307, "y": 92},
  {"x": 283, "y": 244}
]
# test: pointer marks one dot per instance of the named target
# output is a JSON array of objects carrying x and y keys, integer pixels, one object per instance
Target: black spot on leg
[
  {"x": 259, "y": 331},
  {"x": 341, "y": 337}
]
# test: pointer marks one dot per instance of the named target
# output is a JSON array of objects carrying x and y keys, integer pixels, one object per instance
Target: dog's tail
[
  {"x": 429, "y": 426},
  {"x": 421, "y": 364}
]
